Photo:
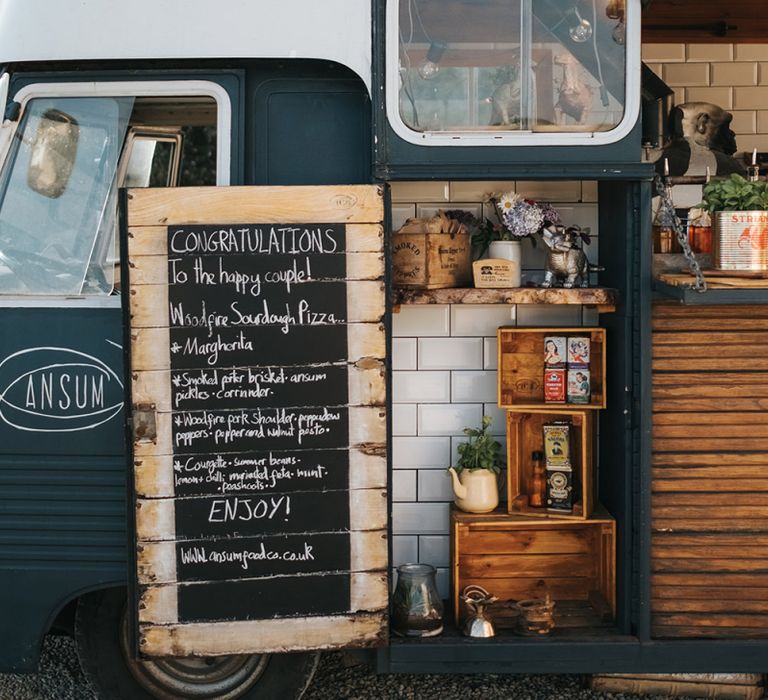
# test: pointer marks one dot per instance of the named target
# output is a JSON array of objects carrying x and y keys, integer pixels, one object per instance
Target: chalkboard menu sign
[{"x": 257, "y": 394}]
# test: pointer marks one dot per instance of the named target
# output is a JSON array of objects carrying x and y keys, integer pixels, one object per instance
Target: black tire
[{"x": 101, "y": 634}]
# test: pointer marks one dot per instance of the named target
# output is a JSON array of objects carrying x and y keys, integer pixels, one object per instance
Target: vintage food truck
[{"x": 222, "y": 427}]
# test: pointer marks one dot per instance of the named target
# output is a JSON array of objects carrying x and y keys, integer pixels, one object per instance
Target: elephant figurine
[{"x": 566, "y": 262}]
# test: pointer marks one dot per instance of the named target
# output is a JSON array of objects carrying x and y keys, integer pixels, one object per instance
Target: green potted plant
[
  {"x": 735, "y": 193},
  {"x": 475, "y": 484},
  {"x": 739, "y": 213}
]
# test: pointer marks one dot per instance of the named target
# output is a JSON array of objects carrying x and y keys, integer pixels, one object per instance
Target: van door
[{"x": 62, "y": 446}]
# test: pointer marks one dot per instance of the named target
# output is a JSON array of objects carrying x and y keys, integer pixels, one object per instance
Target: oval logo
[
  {"x": 57, "y": 390},
  {"x": 527, "y": 386},
  {"x": 344, "y": 201}
]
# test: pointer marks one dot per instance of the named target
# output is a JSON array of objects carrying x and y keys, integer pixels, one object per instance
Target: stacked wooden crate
[
  {"x": 710, "y": 471},
  {"x": 522, "y": 551}
]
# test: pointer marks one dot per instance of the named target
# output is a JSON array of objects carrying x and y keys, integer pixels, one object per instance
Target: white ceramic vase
[{"x": 508, "y": 250}]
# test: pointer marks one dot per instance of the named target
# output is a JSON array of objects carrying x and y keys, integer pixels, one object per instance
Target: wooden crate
[
  {"x": 431, "y": 260},
  {"x": 515, "y": 557},
  {"x": 525, "y": 434},
  {"x": 521, "y": 367}
]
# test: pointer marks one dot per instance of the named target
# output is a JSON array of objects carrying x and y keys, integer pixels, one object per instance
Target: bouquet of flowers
[
  {"x": 524, "y": 217},
  {"x": 516, "y": 218}
]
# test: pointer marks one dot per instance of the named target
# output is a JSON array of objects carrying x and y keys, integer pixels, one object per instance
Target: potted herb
[
  {"x": 735, "y": 193},
  {"x": 739, "y": 212},
  {"x": 475, "y": 484}
]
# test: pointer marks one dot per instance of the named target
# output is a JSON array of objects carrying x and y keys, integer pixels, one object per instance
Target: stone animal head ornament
[
  {"x": 702, "y": 137},
  {"x": 704, "y": 124}
]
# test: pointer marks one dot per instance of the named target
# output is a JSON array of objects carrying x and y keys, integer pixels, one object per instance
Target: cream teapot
[{"x": 474, "y": 480}]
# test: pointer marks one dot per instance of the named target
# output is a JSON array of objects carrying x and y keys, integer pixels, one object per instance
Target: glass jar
[
  {"x": 417, "y": 610},
  {"x": 700, "y": 231},
  {"x": 664, "y": 236}
]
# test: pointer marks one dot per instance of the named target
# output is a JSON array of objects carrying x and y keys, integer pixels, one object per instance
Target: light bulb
[
  {"x": 581, "y": 32},
  {"x": 428, "y": 69},
  {"x": 579, "y": 29},
  {"x": 619, "y": 33}
]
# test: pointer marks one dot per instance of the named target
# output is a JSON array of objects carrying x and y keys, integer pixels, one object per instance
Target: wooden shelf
[
  {"x": 603, "y": 298},
  {"x": 720, "y": 290}
]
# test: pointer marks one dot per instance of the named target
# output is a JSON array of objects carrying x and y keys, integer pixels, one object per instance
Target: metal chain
[{"x": 665, "y": 200}]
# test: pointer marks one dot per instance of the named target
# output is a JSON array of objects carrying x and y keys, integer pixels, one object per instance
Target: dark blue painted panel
[
  {"x": 308, "y": 123},
  {"x": 61, "y": 381}
]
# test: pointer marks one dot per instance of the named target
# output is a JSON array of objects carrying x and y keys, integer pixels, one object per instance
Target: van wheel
[{"x": 103, "y": 645}]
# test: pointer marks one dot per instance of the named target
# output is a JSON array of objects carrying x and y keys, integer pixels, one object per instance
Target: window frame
[
  {"x": 512, "y": 138},
  {"x": 129, "y": 88}
]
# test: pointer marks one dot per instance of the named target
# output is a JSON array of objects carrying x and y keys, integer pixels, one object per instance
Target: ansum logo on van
[{"x": 57, "y": 390}]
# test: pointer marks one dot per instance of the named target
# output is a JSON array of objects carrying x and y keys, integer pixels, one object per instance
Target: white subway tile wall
[
  {"x": 473, "y": 386},
  {"x": 490, "y": 353},
  {"x": 405, "y": 549},
  {"x": 447, "y": 419},
  {"x": 404, "y": 353},
  {"x": 434, "y": 485},
  {"x": 404, "y": 485},
  {"x": 421, "y": 387},
  {"x": 732, "y": 76},
  {"x": 404, "y": 419},
  {"x": 450, "y": 353},
  {"x": 437, "y": 548},
  {"x": 444, "y": 366},
  {"x": 417, "y": 320},
  {"x": 477, "y": 319}
]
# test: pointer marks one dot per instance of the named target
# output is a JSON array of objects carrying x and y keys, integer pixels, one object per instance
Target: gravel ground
[{"x": 337, "y": 678}]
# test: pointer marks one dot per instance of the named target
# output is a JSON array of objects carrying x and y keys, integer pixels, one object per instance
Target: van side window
[
  {"x": 58, "y": 189},
  {"x": 57, "y": 193}
]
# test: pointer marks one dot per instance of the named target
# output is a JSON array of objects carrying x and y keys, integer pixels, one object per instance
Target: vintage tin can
[
  {"x": 554, "y": 385},
  {"x": 578, "y": 386},
  {"x": 554, "y": 351},
  {"x": 560, "y": 490},
  {"x": 578, "y": 351},
  {"x": 557, "y": 445},
  {"x": 740, "y": 240}
]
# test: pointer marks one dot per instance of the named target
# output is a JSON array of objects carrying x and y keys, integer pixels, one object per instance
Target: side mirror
[{"x": 52, "y": 153}]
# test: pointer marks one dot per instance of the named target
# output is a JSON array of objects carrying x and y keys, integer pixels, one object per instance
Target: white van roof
[{"x": 51, "y": 30}]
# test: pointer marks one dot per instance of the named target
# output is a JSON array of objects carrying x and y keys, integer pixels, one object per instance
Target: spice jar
[
  {"x": 537, "y": 481},
  {"x": 417, "y": 610}
]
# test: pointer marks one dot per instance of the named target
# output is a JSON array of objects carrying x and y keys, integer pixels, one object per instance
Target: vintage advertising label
[
  {"x": 557, "y": 445},
  {"x": 554, "y": 385},
  {"x": 494, "y": 273},
  {"x": 578, "y": 386}
]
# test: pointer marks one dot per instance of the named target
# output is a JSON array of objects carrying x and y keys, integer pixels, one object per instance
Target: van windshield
[{"x": 58, "y": 194}]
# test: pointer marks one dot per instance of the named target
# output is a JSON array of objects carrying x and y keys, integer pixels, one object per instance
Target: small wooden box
[
  {"x": 431, "y": 260},
  {"x": 515, "y": 557},
  {"x": 525, "y": 435},
  {"x": 521, "y": 367}
]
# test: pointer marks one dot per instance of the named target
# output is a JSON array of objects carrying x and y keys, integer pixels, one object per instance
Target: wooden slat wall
[{"x": 709, "y": 556}]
